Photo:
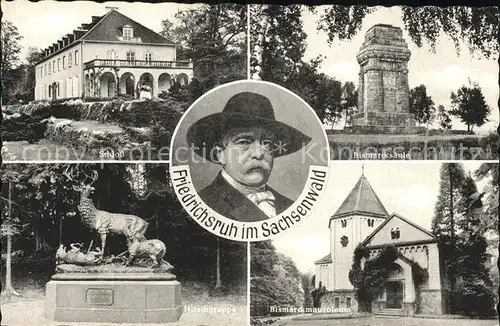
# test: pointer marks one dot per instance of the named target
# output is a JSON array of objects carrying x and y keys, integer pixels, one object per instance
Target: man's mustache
[{"x": 257, "y": 165}]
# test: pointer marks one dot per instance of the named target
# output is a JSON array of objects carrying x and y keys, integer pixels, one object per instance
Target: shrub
[
  {"x": 148, "y": 113},
  {"x": 474, "y": 299},
  {"x": 23, "y": 128}
]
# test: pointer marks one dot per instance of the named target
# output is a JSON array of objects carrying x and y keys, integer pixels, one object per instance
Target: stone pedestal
[
  {"x": 113, "y": 298},
  {"x": 383, "y": 96}
]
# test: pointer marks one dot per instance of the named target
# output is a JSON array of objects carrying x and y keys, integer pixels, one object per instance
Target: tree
[
  {"x": 279, "y": 43},
  {"x": 476, "y": 26},
  {"x": 443, "y": 118},
  {"x": 446, "y": 213},
  {"x": 278, "y": 40},
  {"x": 307, "y": 286},
  {"x": 275, "y": 280},
  {"x": 447, "y": 209},
  {"x": 260, "y": 28},
  {"x": 421, "y": 105},
  {"x": 214, "y": 38},
  {"x": 9, "y": 229},
  {"x": 469, "y": 105},
  {"x": 10, "y": 51},
  {"x": 461, "y": 243},
  {"x": 34, "y": 56},
  {"x": 489, "y": 216},
  {"x": 349, "y": 101}
]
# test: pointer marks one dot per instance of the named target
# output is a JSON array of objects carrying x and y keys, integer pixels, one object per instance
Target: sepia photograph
[
  {"x": 388, "y": 83},
  {"x": 110, "y": 81},
  {"x": 249, "y": 150},
  {"x": 391, "y": 244},
  {"x": 94, "y": 244}
]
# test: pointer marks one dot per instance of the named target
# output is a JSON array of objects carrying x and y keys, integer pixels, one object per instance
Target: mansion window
[
  {"x": 70, "y": 60},
  {"x": 112, "y": 54},
  {"x": 395, "y": 233},
  {"x": 344, "y": 223},
  {"x": 130, "y": 56},
  {"x": 337, "y": 303},
  {"x": 77, "y": 58},
  {"x": 370, "y": 222},
  {"x": 50, "y": 68},
  {"x": 148, "y": 56},
  {"x": 45, "y": 70},
  {"x": 128, "y": 33},
  {"x": 344, "y": 241},
  {"x": 348, "y": 303},
  {"x": 54, "y": 66},
  {"x": 64, "y": 62},
  {"x": 59, "y": 64}
]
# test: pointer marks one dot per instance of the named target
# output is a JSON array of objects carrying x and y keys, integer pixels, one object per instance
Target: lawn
[
  {"x": 93, "y": 126},
  {"x": 413, "y": 147}
]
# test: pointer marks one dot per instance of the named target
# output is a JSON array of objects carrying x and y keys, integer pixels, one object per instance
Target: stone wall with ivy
[{"x": 370, "y": 279}]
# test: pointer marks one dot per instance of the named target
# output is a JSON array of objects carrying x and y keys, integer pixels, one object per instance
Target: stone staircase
[{"x": 390, "y": 313}]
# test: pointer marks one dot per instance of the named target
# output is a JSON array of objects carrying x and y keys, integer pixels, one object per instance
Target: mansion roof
[
  {"x": 362, "y": 200},
  {"x": 107, "y": 28}
]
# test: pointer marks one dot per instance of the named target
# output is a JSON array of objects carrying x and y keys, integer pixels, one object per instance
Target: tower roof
[{"x": 362, "y": 200}]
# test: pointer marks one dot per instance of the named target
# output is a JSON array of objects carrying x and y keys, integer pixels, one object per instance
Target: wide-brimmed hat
[{"x": 244, "y": 109}]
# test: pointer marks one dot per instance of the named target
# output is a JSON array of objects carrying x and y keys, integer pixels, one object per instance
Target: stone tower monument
[{"x": 383, "y": 103}]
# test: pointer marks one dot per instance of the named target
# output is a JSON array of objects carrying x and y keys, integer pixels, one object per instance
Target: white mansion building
[
  {"x": 363, "y": 219},
  {"x": 111, "y": 55}
]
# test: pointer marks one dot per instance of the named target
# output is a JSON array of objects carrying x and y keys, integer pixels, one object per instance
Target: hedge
[
  {"x": 135, "y": 113},
  {"x": 23, "y": 127}
]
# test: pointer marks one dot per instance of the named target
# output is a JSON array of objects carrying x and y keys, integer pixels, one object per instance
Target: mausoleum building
[
  {"x": 112, "y": 55},
  {"x": 363, "y": 220}
]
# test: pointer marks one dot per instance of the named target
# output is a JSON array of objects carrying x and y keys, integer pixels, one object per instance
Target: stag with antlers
[{"x": 131, "y": 226}]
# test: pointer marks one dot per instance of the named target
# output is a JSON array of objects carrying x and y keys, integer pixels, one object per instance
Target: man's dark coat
[{"x": 229, "y": 202}]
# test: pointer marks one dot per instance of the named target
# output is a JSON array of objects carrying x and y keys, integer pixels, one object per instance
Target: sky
[
  {"x": 441, "y": 72},
  {"x": 409, "y": 189},
  {"x": 43, "y": 23}
]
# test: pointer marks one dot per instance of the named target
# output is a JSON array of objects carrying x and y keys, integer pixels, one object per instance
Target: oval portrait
[{"x": 249, "y": 160}]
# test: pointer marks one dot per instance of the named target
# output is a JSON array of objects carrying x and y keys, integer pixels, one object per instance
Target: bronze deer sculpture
[{"x": 131, "y": 226}]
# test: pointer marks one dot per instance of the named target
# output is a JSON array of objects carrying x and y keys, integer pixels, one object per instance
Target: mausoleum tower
[{"x": 356, "y": 218}]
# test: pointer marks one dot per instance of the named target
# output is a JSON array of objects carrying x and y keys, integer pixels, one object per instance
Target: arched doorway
[
  {"x": 127, "y": 84},
  {"x": 146, "y": 79},
  {"x": 164, "y": 82},
  {"x": 395, "y": 288},
  {"x": 182, "y": 79},
  {"x": 54, "y": 89},
  {"x": 87, "y": 85},
  {"x": 108, "y": 84}
]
